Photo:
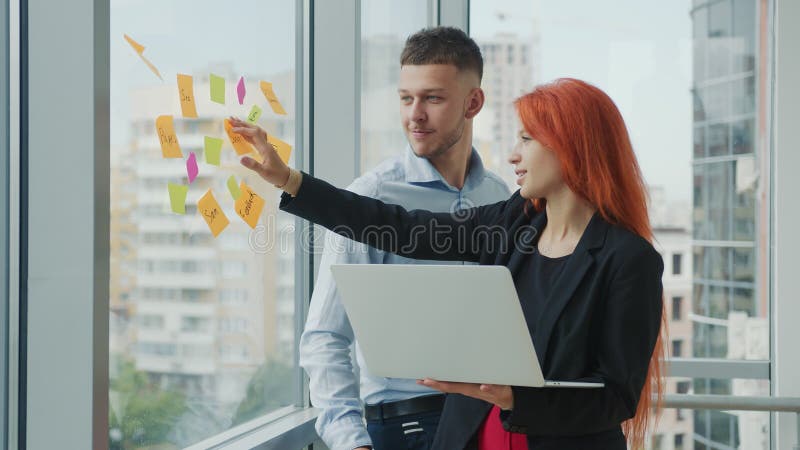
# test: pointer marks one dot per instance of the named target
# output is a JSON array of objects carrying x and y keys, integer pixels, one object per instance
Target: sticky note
[
  {"x": 208, "y": 207},
  {"x": 152, "y": 67},
  {"x": 234, "y": 188},
  {"x": 255, "y": 113},
  {"x": 217, "y": 84},
  {"x": 241, "y": 146},
  {"x": 249, "y": 205},
  {"x": 191, "y": 167},
  {"x": 212, "y": 149},
  {"x": 139, "y": 49},
  {"x": 266, "y": 88},
  {"x": 240, "y": 91},
  {"x": 177, "y": 197},
  {"x": 284, "y": 150},
  {"x": 136, "y": 46},
  {"x": 186, "y": 93},
  {"x": 166, "y": 135}
]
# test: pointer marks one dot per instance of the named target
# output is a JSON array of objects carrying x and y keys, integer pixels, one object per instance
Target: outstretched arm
[{"x": 415, "y": 234}]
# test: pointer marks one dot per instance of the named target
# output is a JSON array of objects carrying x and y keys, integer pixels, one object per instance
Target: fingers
[
  {"x": 492, "y": 393},
  {"x": 253, "y": 165}
]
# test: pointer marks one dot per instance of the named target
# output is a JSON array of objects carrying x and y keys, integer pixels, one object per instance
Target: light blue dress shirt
[{"x": 327, "y": 339}]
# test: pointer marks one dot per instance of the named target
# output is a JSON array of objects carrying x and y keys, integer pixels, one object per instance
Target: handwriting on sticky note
[
  {"x": 276, "y": 106},
  {"x": 208, "y": 207},
  {"x": 249, "y": 205},
  {"x": 191, "y": 167},
  {"x": 240, "y": 90},
  {"x": 217, "y": 85},
  {"x": 284, "y": 150},
  {"x": 139, "y": 49},
  {"x": 212, "y": 148},
  {"x": 255, "y": 113},
  {"x": 165, "y": 127},
  {"x": 177, "y": 197},
  {"x": 241, "y": 146},
  {"x": 234, "y": 188},
  {"x": 186, "y": 94}
]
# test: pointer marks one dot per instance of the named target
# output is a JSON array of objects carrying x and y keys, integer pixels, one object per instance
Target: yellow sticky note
[
  {"x": 266, "y": 88},
  {"x": 165, "y": 128},
  {"x": 152, "y": 67},
  {"x": 139, "y": 48},
  {"x": 255, "y": 113},
  {"x": 177, "y": 197},
  {"x": 186, "y": 93},
  {"x": 208, "y": 207},
  {"x": 234, "y": 188},
  {"x": 249, "y": 205},
  {"x": 284, "y": 150},
  {"x": 217, "y": 85},
  {"x": 212, "y": 149},
  {"x": 241, "y": 146}
]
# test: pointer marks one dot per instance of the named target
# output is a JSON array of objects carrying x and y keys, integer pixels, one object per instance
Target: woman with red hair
[{"x": 577, "y": 243}]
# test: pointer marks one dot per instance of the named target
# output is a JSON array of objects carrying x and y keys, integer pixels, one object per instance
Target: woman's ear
[{"x": 475, "y": 101}]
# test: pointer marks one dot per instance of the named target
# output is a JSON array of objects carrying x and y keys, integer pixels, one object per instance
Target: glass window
[
  {"x": 677, "y": 347},
  {"x": 687, "y": 79},
  {"x": 676, "y": 308},
  {"x": 199, "y": 321},
  {"x": 676, "y": 263},
  {"x": 385, "y": 25}
]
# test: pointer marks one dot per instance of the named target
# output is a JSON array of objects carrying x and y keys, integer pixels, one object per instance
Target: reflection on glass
[
  {"x": 201, "y": 328},
  {"x": 385, "y": 25}
]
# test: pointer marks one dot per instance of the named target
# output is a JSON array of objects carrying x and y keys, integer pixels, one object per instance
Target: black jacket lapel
[{"x": 577, "y": 266}]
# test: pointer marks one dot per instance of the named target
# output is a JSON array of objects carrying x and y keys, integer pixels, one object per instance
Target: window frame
[
  {"x": 82, "y": 410},
  {"x": 5, "y": 213}
]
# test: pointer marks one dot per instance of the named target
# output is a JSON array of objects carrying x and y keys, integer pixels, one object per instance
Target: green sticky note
[
  {"x": 177, "y": 197},
  {"x": 212, "y": 150},
  {"x": 234, "y": 188},
  {"x": 255, "y": 113},
  {"x": 217, "y": 88}
]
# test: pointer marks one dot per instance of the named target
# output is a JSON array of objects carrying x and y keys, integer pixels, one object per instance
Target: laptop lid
[{"x": 446, "y": 322}]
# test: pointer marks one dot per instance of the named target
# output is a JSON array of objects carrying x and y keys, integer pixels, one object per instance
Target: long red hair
[{"x": 585, "y": 130}]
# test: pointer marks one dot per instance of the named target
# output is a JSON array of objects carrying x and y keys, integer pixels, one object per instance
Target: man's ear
[{"x": 474, "y": 101}]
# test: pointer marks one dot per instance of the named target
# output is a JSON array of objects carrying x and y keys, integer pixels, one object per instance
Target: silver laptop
[{"x": 445, "y": 322}]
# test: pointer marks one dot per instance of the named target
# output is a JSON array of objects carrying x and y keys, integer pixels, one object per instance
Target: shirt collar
[{"x": 420, "y": 170}]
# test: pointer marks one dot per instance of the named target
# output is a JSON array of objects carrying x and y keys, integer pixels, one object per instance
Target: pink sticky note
[
  {"x": 191, "y": 166},
  {"x": 240, "y": 90}
]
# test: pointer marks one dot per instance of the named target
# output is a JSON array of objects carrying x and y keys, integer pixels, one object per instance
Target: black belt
[{"x": 416, "y": 405}]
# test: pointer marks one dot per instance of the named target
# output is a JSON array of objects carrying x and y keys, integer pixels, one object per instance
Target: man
[{"x": 439, "y": 92}]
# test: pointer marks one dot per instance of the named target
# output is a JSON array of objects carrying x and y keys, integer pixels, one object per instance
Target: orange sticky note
[
  {"x": 241, "y": 146},
  {"x": 166, "y": 135},
  {"x": 249, "y": 205},
  {"x": 186, "y": 93},
  {"x": 139, "y": 48},
  {"x": 284, "y": 150},
  {"x": 266, "y": 88},
  {"x": 208, "y": 207}
]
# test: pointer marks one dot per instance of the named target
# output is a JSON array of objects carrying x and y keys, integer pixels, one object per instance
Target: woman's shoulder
[{"x": 629, "y": 247}]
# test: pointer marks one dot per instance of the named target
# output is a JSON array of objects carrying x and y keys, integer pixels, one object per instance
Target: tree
[
  {"x": 141, "y": 414},
  {"x": 268, "y": 389}
]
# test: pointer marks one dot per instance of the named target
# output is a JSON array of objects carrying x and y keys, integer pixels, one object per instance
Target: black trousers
[{"x": 411, "y": 432}]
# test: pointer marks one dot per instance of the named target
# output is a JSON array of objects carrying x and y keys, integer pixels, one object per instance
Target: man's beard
[{"x": 449, "y": 141}]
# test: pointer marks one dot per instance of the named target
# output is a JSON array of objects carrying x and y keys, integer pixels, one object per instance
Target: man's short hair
[{"x": 443, "y": 45}]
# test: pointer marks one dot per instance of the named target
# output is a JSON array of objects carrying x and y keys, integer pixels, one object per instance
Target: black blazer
[{"x": 601, "y": 320}]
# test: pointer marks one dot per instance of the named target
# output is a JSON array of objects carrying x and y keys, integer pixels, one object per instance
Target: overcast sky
[{"x": 638, "y": 51}]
